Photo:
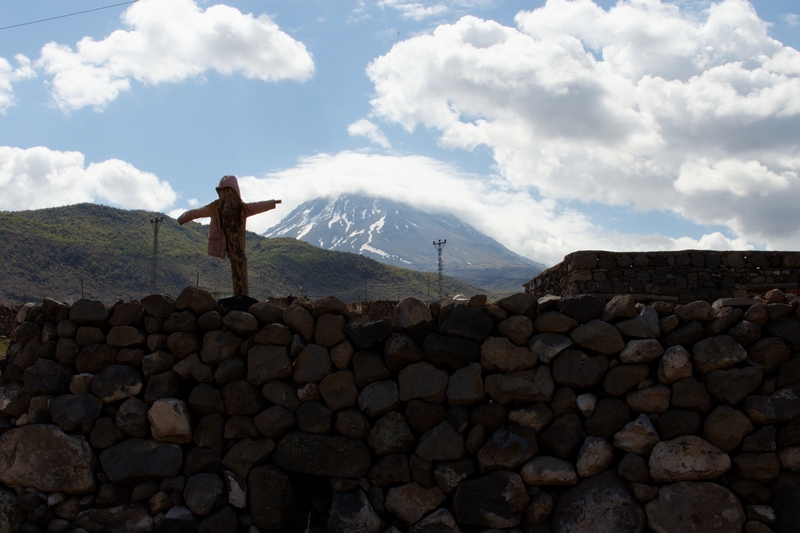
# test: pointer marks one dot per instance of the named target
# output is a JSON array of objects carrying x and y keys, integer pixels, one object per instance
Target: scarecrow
[{"x": 227, "y": 232}]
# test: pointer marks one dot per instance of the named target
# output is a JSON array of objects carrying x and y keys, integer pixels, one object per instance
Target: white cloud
[
  {"x": 168, "y": 42},
  {"x": 643, "y": 105},
  {"x": 10, "y": 75},
  {"x": 373, "y": 133},
  {"x": 541, "y": 229},
  {"x": 38, "y": 177},
  {"x": 414, "y": 10},
  {"x": 793, "y": 19}
]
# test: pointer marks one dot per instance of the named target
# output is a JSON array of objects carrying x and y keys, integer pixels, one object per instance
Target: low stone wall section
[
  {"x": 569, "y": 414},
  {"x": 682, "y": 276}
]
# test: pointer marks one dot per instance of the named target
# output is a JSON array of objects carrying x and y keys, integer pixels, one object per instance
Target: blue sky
[{"x": 549, "y": 126}]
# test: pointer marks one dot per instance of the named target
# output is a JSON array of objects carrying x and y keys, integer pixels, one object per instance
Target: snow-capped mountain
[{"x": 402, "y": 235}]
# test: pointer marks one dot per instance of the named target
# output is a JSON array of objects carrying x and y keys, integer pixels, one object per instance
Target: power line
[{"x": 67, "y": 15}]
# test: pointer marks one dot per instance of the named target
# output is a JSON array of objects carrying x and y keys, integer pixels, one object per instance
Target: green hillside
[{"x": 47, "y": 252}]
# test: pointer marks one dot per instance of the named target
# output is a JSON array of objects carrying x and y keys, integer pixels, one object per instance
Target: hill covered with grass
[{"x": 47, "y": 252}]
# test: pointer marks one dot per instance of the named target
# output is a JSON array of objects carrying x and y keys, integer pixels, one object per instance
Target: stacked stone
[
  {"x": 567, "y": 414},
  {"x": 686, "y": 275}
]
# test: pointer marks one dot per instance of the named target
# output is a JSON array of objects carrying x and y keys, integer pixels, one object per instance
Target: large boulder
[
  {"x": 322, "y": 455},
  {"x": 138, "y": 460},
  {"x": 600, "y": 504},
  {"x": 496, "y": 500},
  {"x": 351, "y": 512},
  {"x": 687, "y": 458},
  {"x": 44, "y": 457},
  {"x": 695, "y": 507},
  {"x": 271, "y": 499},
  {"x": 11, "y": 516}
]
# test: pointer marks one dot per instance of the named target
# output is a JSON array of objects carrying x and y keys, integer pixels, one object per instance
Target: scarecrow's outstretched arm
[
  {"x": 192, "y": 214},
  {"x": 255, "y": 208}
]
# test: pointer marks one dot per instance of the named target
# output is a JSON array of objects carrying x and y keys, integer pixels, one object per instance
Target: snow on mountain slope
[{"x": 402, "y": 235}]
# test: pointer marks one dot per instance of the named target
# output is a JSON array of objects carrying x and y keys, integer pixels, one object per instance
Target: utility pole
[
  {"x": 156, "y": 223},
  {"x": 439, "y": 245}
]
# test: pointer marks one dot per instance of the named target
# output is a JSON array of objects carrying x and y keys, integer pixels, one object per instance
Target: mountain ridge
[
  {"x": 399, "y": 234},
  {"x": 52, "y": 252}
]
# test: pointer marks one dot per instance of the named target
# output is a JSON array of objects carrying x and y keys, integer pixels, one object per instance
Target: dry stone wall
[
  {"x": 564, "y": 415},
  {"x": 683, "y": 276}
]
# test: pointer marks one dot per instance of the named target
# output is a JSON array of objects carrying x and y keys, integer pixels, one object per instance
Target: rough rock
[
  {"x": 270, "y": 497},
  {"x": 769, "y": 353},
  {"x": 508, "y": 448},
  {"x": 757, "y": 466},
  {"x": 674, "y": 365},
  {"x": 496, "y": 500},
  {"x": 44, "y": 457},
  {"x": 677, "y": 422},
  {"x": 322, "y": 455},
  {"x": 364, "y": 335},
  {"x": 439, "y": 520},
  {"x": 73, "y": 412},
  {"x": 203, "y": 492},
  {"x": 329, "y": 330},
  {"x": 448, "y": 474},
  {"x": 554, "y": 322},
  {"x": 378, "y": 398},
  {"x": 412, "y": 317},
  {"x": 196, "y": 300},
  {"x": 241, "y": 323},
  {"x": 117, "y": 382},
  {"x": 339, "y": 390},
  {"x": 725, "y": 428},
  {"x": 623, "y": 378},
  {"x": 594, "y": 456},
  {"x": 467, "y": 322},
  {"x": 644, "y": 326},
  {"x": 621, "y": 306},
  {"x": 546, "y": 346},
  {"x": 641, "y": 351},
  {"x": 543, "y": 470},
  {"x": 268, "y": 363},
  {"x": 691, "y": 394},
  {"x": 574, "y": 368},
  {"x": 442, "y": 443},
  {"x": 717, "y": 353},
  {"x": 390, "y": 470},
  {"x": 450, "y": 353},
  {"x": 523, "y": 386},
  {"x": 351, "y": 512},
  {"x": 400, "y": 350},
  {"x": 780, "y": 406},
  {"x": 600, "y": 504},
  {"x": 218, "y": 346},
  {"x": 137, "y": 460},
  {"x": 498, "y": 354},
  {"x": 610, "y": 415},
  {"x": 422, "y": 380},
  {"x": 465, "y": 386},
  {"x": 583, "y": 307},
  {"x": 637, "y": 437},
  {"x": 654, "y": 399},
  {"x": 698, "y": 310},
  {"x": 687, "y": 458},
  {"x": 695, "y": 507},
  {"x": 313, "y": 417},
  {"x": 563, "y": 437},
  {"x": 412, "y": 501},
  {"x": 275, "y": 421},
  {"x": 733, "y": 385},
  {"x": 599, "y": 337},
  {"x": 247, "y": 454},
  {"x": 120, "y": 519},
  {"x": 88, "y": 313},
  {"x": 47, "y": 377},
  {"x": 686, "y": 335},
  {"x": 170, "y": 421},
  {"x": 368, "y": 367},
  {"x": 518, "y": 328},
  {"x": 312, "y": 364}
]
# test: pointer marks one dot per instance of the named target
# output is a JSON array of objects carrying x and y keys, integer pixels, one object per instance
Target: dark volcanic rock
[
  {"x": 366, "y": 334},
  {"x": 582, "y": 308},
  {"x": 733, "y": 385},
  {"x": 47, "y": 377},
  {"x": 609, "y": 416},
  {"x": 574, "y": 368},
  {"x": 121, "y": 519},
  {"x": 467, "y": 322},
  {"x": 785, "y": 495},
  {"x": 322, "y": 455},
  {"x": 695, "y": 507},
  {"x": 203, "y": 492},
  {"x": 494, "y": 501},
  {"x": 563, "y": 437},
  {"x": 270, "y": 497},
  {"x": 600, "y": 504},
  {"x": 117, "y": 382},
  {"x": 508, "y": 448},
  {"x": 137, "y": 460},
  {"x": 450, "y": 353},
  {"x": 73, "y": 412}
]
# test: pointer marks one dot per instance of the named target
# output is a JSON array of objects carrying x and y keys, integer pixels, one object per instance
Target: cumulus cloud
[
  {"x": 38, "y": 177},
  {"x": 645, "y": 106},
  {"x": 364, "y": 128},
  {"x": 414, "y": 10},
  {"x": 10, "y": 75},
  {"x": 537, "y": 228},
  {"x": 168, "y": 42},
  {"x": 793, "y": 19}
]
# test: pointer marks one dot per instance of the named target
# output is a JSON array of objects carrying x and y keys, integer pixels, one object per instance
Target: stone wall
[
  {"x": 682, "y": 276},
  {"x": 572, "y": 414}
]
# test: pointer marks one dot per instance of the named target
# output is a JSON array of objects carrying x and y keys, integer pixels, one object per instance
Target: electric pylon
[{"x": 439, "y": 245}]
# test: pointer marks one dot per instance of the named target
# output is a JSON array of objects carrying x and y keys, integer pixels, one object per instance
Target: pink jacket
[{"x": 216, "y": 239}]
